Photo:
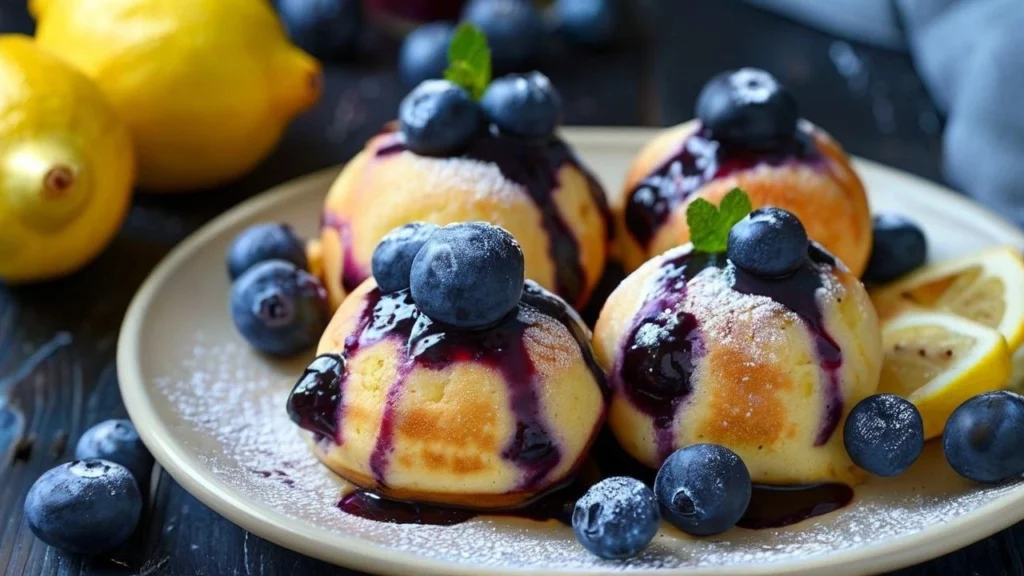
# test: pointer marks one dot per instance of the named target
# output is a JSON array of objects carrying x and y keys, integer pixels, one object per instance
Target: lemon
[
  {"x": 938, "y": 360},
  {"x": 987, "y": 287},
  {"x": 207, "y": 86},
  {"x": 66, "y": 165}
]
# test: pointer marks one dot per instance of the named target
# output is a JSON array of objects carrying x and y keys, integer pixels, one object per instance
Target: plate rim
[{"x": 269, "y": 524}]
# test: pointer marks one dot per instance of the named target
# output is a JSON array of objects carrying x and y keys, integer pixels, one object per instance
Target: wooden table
[{"x": 57, "y": 340}]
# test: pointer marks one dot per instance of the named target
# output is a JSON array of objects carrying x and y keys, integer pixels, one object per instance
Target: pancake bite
[
  {"x": 452, "y": 381},
  {"x": 762, "y": 348},
  {"x": 747, "y": 134},
  {"x": 452, "y": 158}
]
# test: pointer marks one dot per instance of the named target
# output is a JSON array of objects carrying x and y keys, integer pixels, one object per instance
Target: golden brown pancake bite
[
  {"x": 762, "y": 348},
  {"x": 450, "y": 381},
  {"x": 747, "y": 134},
  {"x": 453, "y": 159}
]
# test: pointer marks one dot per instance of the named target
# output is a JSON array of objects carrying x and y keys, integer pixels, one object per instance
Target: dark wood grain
[{"x": 48, "y": 398}]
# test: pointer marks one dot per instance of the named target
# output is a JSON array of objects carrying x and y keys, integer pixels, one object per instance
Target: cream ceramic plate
[{"x": 212, "y": 412}]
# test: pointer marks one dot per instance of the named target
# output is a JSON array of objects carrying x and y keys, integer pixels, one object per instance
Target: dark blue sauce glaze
[
  {"x": 700, "y": 160},
  {"x": 663, "y": 348},
  {"x": 534, "y": 166},
  {"x": 315, "y": 402},
  {"x": 770, "y": 506}
]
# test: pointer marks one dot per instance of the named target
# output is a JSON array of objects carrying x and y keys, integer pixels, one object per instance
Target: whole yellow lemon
[
  {"x": 66, "y": 165},
  {"x": 207, "y": 86}
]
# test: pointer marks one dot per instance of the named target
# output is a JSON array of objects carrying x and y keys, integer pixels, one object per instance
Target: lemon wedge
[
  {"x": 937, "y": 360},
  {"x": 987, "y": 288}
]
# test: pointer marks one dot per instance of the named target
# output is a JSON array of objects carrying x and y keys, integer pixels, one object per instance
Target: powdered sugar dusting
[
  {"x": 226, "y": 405},
  {"x": 483, "y": 178}
]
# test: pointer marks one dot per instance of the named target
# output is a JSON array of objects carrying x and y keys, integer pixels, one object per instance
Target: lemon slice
[
  {"x": 938, "y": 360},
  {"x": 987, "y": 287}
]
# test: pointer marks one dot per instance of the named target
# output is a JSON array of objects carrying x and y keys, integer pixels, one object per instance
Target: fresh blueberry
[
  {"x": 769, "y": 242},
  {"x": 392, "y": 260},
  {"x": 264, "y": 242},
  {"x": 984, "y": 437},
  {"x": 587, "y": 22},
  {"x": 514, "y": 29},
  {"x": 884, "y": 434},
  {"x": 278, "y": 308},
  {"x": 118, "y": 442},
  {"x": 524, "y": 105},
  {"x": 327, "y": 29},
  {"x": 424, "y": 53},
  {"x": 468, "y": 275},
  {"x": 84, "y": 507},
  {"x": 437, "y": 118},
  {"x": 747, "y": 107},
  {"x": 617, "y": 518},
  {"x": 703, "y": 489},
  {"x": 899, "y": 247}
]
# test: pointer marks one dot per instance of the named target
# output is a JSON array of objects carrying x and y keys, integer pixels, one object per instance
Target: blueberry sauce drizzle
[
  {"x": 535, "y": 167},
  {"x": 433, "y": 345},
  {"x": 352, "y": 275},
  {"x": 700, "y": 160},
  {"x": 317, "y": 396},
  {"x": 665, "y": 342},
  {"x": 663, "y": 348},
  {"x": 770, "y": 506}
]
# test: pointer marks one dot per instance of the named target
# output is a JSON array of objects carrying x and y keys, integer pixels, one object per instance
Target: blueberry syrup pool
[
  {"x": 770, "y": 506},
  {"x": 315, "y": 402},
  {"x": 700, "y": 160},
  {"x": 535, "y": 166}
]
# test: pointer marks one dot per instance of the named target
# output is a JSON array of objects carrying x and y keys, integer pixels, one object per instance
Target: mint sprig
[
  {"x": 709, "y": 226},
  {"x": 469, "y": 60}
]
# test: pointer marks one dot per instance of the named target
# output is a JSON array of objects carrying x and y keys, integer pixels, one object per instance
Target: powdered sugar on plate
[{"x": 227, "y": 407}]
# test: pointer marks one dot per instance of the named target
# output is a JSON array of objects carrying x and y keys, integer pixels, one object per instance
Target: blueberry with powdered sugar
[
  {"x": 884, "y": 434},
  {"x": 468, "y": 275},
  {"x": 617, "y": 518},
  {"x": 703, "y": 489},
  {"x": 748, "y": 107},
  {"x": 392, "y": 259},
  {"x": 769, "y": 242}
]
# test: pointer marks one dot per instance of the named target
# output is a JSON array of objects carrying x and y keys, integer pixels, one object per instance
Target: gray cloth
[{"x": 970, "y": 55}]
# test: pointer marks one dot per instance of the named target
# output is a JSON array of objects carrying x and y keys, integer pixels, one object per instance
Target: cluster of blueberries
[
  {"x": 278, "y": 306},
  {"x": 94, "y": 503},
  {"x": 704, "y": 489},
  {"x": 515, "y": 31},
  {"x": 439, "y": 117},
  {"x": 884, "y": 434},
  {"x": 468, "y": 275}
]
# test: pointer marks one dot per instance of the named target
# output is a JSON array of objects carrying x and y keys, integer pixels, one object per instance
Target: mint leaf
[
  {"x": 709, "y": 226},
  {"x": 702, "y": 218},
  {"x": 469, "y": 60},
  {"x": 734, "y": 207}
]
